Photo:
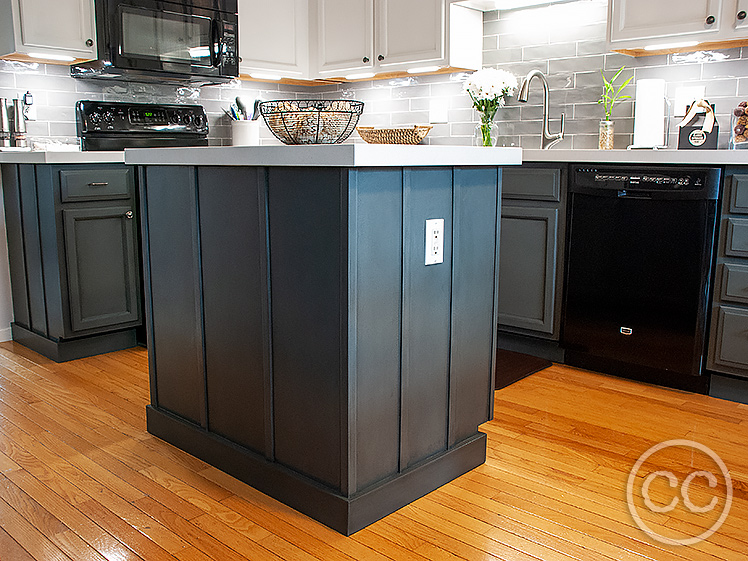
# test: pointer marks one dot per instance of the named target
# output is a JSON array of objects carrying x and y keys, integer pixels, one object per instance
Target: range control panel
[{"x": 122, "y": 117}]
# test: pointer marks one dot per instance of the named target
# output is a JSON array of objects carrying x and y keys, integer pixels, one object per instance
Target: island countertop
[
  {"x": 330, "y": 155},
  {"x": 62, "y": 157}
]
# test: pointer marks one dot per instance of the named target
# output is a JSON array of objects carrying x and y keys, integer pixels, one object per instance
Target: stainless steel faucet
[{"x": 548, "y": 139}]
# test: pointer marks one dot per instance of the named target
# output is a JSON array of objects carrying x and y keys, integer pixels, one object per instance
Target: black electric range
[{"x": 109, "y": 125}]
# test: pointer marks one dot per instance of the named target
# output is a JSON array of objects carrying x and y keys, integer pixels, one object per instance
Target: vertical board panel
[
  {"x": 375, "y": 233},
  {"x": 427, "y": 193},
  {"x": 174, "y": 290},
  {"x": 233, "y": 251},
  {"x": 17, "y": 261},
  {"x": 32, "y": 246},
  {"x": 309, "y": 323},
  {"x": 473, "y": 300}
]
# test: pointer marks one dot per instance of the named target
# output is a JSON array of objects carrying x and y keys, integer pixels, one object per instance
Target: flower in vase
[{"x": 489, "y": 88}]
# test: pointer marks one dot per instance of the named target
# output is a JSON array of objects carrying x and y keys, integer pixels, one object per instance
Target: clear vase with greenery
[
  {"x": 489, "y": 88},
  {"x": 610, "y": 96}
]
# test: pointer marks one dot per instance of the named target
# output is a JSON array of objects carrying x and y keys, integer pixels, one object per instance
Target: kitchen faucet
[{"x": 548, "y": 139}]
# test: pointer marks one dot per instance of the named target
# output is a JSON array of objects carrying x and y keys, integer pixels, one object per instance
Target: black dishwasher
[{"x": 640, "y": 244}]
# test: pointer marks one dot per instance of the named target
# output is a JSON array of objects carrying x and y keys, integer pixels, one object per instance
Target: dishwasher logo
[{"x": 679, "y": 492}]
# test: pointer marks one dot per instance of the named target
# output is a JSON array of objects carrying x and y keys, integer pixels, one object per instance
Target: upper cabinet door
[
  {"x": 739, "y": 16},
  {"x": 66, "y": 26},
  {"x": 345, "y": 35},
  {"x": 410, "y": 32},
  {"x": 274, "y": 37},
  {"x": 663, "y": 19}
]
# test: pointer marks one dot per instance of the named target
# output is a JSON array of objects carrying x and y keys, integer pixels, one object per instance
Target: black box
[{"x": 691, "y": 137}]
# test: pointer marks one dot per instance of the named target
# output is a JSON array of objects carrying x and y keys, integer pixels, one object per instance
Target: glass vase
[
  {"x": 486, "y": 133},
  {"x": 607, "y": 130}
]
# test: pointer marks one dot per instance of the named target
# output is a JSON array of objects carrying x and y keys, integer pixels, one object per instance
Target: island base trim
[
  {"x": 346, "y": 515},
  {"x": 72, "y": 349}
]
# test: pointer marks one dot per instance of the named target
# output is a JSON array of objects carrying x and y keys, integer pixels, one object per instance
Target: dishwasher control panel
[{"x": 638, "y": 179}]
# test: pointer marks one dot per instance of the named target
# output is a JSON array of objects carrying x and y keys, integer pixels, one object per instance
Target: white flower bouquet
[{"x": 489, "y": 88}]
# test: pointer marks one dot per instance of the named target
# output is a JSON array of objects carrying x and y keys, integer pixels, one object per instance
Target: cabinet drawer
[
  {"x": 734, "y": 286},
  {"x": 737, "y": 237},
  {"x": 731, "y": 347},
  {"x": 739, "y": 194},
  {"x": 95, "y": 184},
  {"x": 537, "y": 184}
]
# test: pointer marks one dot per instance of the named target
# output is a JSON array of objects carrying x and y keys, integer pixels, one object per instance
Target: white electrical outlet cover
[{"x": 434, "y": 253}]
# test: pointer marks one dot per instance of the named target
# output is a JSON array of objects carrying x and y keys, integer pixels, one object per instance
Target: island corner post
[{"x": 298, "y": 341}]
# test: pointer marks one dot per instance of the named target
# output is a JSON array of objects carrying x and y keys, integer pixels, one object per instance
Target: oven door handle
[{"x": 216, "y": 43}]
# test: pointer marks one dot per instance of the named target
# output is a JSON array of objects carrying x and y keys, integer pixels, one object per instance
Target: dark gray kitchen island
[{"x": 298, "y": 341}]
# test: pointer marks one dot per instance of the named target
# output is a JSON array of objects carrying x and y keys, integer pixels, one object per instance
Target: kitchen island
[{"x": 298, "y": 340}]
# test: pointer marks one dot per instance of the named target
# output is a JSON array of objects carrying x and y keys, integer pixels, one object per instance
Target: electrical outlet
[{"x": 434, "y": 241}]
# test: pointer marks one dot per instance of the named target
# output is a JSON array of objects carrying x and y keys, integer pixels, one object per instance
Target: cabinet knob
[
  {"x": 380, "y": 58},
  {"x": 710, "y": 20},
  {"x": 365, "y": 59},
  {"x": 741, "y": 14},
  {"x": 129, "y": 214},
  {"x": 89, "y": 42}
]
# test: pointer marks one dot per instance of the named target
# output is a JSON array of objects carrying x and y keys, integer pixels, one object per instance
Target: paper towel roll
[{"x": 649, "y": 113}]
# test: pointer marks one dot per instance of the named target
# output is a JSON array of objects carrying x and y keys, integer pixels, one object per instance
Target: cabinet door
[
  {"x": 410, "y": 32},
  {"x": 644, "y": 19},
  {"x": 102, "y": 266},
  {"x": 345, "y": 35},
  {"x": 527, "y": 269},
  {"x": 273, "y": 36},
  {"x": 62, "y": 25}
]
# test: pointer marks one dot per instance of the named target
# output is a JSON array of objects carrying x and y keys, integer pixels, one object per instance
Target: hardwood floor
[{"x": 81, "y": 480}]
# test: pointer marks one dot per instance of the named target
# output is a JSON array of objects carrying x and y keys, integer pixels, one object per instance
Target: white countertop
[
  {"x": 667, "y": 156},
  {"x": 55, "y": 157},
  {"x": 343, "y": 155}
]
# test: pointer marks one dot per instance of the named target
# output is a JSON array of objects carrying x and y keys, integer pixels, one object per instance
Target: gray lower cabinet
[
  {"x": 728, "y": 346},
  {"x": 531, "y": 250},
  {"x": 74, "y": 258}
]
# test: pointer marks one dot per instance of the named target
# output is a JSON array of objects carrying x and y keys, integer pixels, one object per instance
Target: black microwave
[{"x": 194, "y": 41}]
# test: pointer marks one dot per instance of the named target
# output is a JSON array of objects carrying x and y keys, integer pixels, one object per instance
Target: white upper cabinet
[
  {"x": 63, "y": 29},
  {"x": 412, "y": 31},
  {"x": 345, "y": 35},
  {"x": 393, "y": 35},
  {"x": 636, "y": 24},
  {"x": 274, "y": 37}
]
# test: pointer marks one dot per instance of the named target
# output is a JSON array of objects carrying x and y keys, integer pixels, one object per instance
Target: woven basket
[{"x": 412, "y": 135}]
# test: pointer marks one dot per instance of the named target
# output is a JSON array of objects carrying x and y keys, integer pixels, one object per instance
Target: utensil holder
[{"x": 245, "y": 133}]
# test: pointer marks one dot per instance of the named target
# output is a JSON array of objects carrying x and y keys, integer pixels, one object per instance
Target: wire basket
[
  {"x": 311, "y": 121},
  {"x": 409, "y": 135}
]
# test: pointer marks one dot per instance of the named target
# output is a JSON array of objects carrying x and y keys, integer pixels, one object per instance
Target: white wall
[{"x": 6, "y": 305}]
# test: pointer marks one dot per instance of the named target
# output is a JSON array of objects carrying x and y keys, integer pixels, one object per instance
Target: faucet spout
[{"x": 523, "y": 95}]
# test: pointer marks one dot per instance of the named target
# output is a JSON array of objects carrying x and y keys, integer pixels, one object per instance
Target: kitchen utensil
[
  {"x": 405, "y": 135},
  {"x": 242, "y": 110},
  {"x": 4, "y": 123},
  {"x": 256, "y": 110},
  {"x": 18, "y": 129},
  {"x": 311, "y": 121}
]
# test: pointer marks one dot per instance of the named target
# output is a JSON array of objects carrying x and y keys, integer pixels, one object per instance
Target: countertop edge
[
  {"x": 648, "y": 157},
  {"x": 52, "y": 157},
  {"x": 337, "y": 155}
]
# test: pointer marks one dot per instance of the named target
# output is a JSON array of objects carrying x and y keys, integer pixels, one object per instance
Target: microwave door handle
[{"x": 216, "y": 43}]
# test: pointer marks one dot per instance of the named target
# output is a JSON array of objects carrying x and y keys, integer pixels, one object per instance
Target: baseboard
[
  {"x": 71, "y": 349},
  {"x": 6, "y": 334}
]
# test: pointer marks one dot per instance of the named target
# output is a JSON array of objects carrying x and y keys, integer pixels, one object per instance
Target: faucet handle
[{"x": 561, "y": 134}]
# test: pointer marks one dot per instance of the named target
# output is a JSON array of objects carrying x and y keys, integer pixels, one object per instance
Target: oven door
[{"x": 179, "y": 38}]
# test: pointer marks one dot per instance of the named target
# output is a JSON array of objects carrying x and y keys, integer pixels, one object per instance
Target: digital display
[{"x": 148, "y": 116}]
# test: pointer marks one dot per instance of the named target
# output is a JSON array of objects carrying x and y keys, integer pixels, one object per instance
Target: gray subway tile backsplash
[{"x": 565, "y": 40}]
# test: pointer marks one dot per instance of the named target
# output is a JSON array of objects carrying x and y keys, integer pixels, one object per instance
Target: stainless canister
[
  {"x": 18, "y": 130},
  {"x": 4, "y": 123}
]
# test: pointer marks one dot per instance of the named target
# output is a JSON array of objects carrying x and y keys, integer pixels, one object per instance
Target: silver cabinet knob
[{"x": 129, "y": 214}]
